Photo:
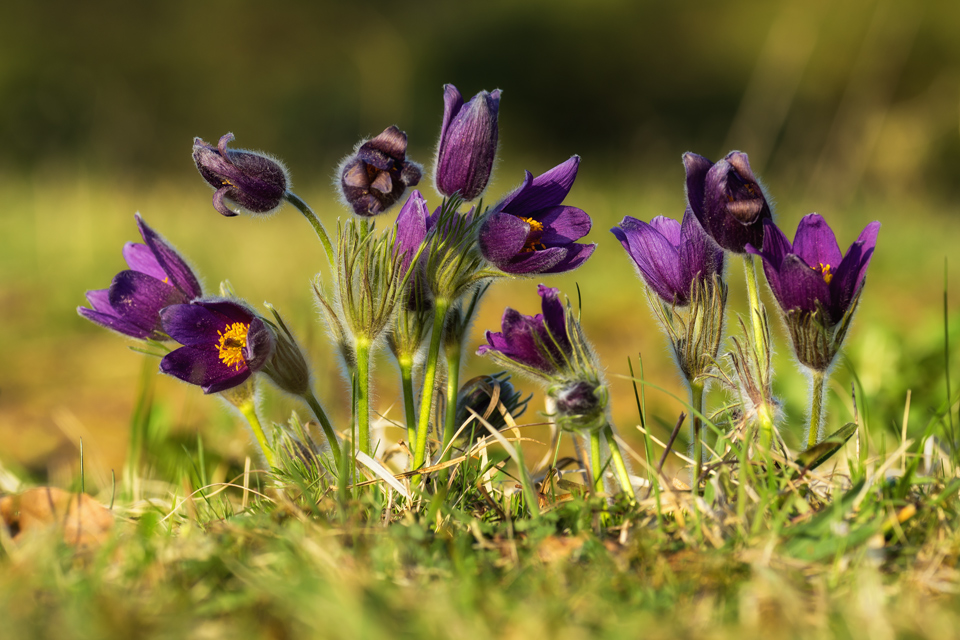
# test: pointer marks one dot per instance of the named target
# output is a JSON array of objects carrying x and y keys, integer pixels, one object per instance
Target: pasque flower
[
  {"x": 539, "y": 344},
  {"x": 812, "y": 279},
  {"x": 727, "y": 199},
  {"x": 468, "y": 143},
  {"x": 158, "y": 277},
  {"x": 375, "y": 176},
  {"x": 530, "y": 231},
  {"x": 670, "y": 256},
  {"x": 252, "y": 181},
  {"x": 224, "y": 343}
]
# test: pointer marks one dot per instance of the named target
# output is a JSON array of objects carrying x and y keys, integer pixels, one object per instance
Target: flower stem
[
  {"x": 816, "y": 407},
  {"x": 753, "y": 289},
  {"x": 429, "y": 377},
  {"x": 249, "y": 410},
  {"x": 595, "y": 462},
  {"x": 314, "y": 221},
  {"x": 623, "y": 476},
  {"x": 406, "y": 380},
  {"x": 363, "y": 395},
  {"x": 454, "y": 354},
  {"x": 328, "y": 431},
  {"x": 696, "y": 401}
]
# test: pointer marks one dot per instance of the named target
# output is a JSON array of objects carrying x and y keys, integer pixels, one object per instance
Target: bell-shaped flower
[
  {"x": 374, "y": 177},
  {"x": 224, "y": 343},
  {"x": 158, "y": 277},
  {"x": 727, "y": 199},
  {"x": 468, "y": 143},
  {"x": 539, "y": 344},
  {"x": 531, "y": 231},
  {"x": 670, "y": 256},
  {"x": 812, "y": 279},
  {"x": 252, "y": 181}
]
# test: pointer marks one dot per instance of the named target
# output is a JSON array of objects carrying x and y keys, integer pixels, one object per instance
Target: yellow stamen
[
  {"x": 824, "y": 269},
  {"x": 232, "y": 343},
  {"x": 533, "y": 238}
]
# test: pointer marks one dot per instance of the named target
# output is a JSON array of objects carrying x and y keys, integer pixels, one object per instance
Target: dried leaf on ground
[{"x": 84, "y": 521}]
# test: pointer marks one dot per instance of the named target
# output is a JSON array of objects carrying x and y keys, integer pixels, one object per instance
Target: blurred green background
[{"x": 846, "y": 108}]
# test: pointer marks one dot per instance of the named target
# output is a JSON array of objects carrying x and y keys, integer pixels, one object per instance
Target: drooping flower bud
[
  {"x": 581, "y": 405},
  {"x": 251, "y": 181},
  {"x": 287, "y": 367},
  {"x": 468, "y": 143},
  {"x": 375, "y": 176},
  {"x": 484, "y": 395}
]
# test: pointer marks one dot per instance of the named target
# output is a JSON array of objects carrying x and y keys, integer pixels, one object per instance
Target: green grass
[{"x": 868, "y": 548}]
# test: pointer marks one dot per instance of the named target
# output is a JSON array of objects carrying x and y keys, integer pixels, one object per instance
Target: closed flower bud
[
  {"x": 287, "y": 366},
  {"x": 484, "y": 395},
  {"x": 468, "y": 143},
  {"x": 251, "y": 181},
  {"x": 375, "y": 176}
]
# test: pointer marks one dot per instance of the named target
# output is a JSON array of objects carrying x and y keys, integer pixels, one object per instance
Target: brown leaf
[{"x": 84, "y": 521}]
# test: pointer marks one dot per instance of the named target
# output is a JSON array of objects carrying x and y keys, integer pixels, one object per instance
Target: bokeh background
[{"x": 848, "y": 108}]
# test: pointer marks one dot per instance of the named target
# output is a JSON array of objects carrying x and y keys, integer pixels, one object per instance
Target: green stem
[
  {"x": 429, "y": 377},
  {"x": 454, "y": 354},
  {"x": 406, "y": 379},
  {"x": 314, "y": 221},
  {"x": 363, "y": 395},
  {"x": 595, "y": 462},
  {"x": 816, "y": 407},
  {"x": 325, "y": 425},
  {"x": 696, "y": 401},
  {"x": 753, "y": 293},
  {"x": 623, "y": 476},
  {"x": 249, "y": 411}
]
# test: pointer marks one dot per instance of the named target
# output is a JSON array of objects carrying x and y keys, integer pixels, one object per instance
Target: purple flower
[
  {"x": 468, "y": 143},
  {"x": 727, "y": 199},
  {"x": 531, "y": 232},
  {"x": 537, "y": 342},
  {"x": 812, "y": 273},
  {"x": 250, "y": 180},
  {"x": 412, "y": 227},
  {"x": 375, "y": 176},
  {"x": 669, "y": 255},
  {"x": 158, "y": 277},
  {"x": 224, "y": 343}
]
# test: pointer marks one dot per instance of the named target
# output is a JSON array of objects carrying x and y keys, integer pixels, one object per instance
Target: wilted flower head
[
  {"x": 670, "y": 256},
  {"x": 224, "y": 343},
  {"x": 727, "y": 199},
  {"x": 816, "y": 286},
  {"x": 252, "y": 181},
  {"x": 158, "y": 277},
  {"x": 468, "y": 143},
  {"x": 530, "y": 231},
  {"x": 375, "y": 176},
  {"x": 484, "y": 395}
]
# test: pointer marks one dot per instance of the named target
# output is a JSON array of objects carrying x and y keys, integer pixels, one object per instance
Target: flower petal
[
  {"x": 800, "y": 286},
  {"x": 562, "y": 225},
  {"x": 181, "y": 276},
  {"x": 700, "y": 257},
  {"x": 452, "y": 103},
  {"x": 138, "y": 298},
  {"x": 536, "y": 261},
  {"x": 668, "y": 228},
  {"x": 140, "y": 258},
  {"x": 696, "y": 167},
  {"x": 546, "y": 190},
  {"x": 577, "y": 254},
  {"x": 815, "y": 242},
  {"x": 555, "y": 321},
  {"x": 656, "y": 258},
  {"x": 192, "y": 324},
  {"x": 502, "y": 236},
  {"x": 110, "y": 320},
  {"x": 203, "y": 367}
]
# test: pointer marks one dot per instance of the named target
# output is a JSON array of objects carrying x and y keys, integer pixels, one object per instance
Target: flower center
[
  {"x": 232, "y": 343},
  {"x": 824, "y": 270},
  {"x": 533, "y": 238}
]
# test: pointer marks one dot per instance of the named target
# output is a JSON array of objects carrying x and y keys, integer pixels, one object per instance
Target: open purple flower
[
  {"x": 669, "y": 255},
  {"x": 468, "y": 143},
  {"x": 727, "y": 199},
  {"x": 250, "y": 180},
  {"x": 815, "y": 285},
  {"x": 539, "y": 343},
  {"x": 530, "y": 231},
  {"x": 224, "y": 343},
  {"x": 375, "y": 176},
  {"x": 812, "y": 273},
  {"x": 158, "y": 277}
]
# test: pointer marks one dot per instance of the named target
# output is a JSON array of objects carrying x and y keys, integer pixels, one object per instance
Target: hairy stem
[
  {"x": 363, "y": 395},
  {"x": 409, "y": 411},
  {"x": 324, "y": 421},
  {"x": 429, "y": 377},
  {"x": 696, "y": 402},
  {"x": 454, "y": 355},
  {"x": 249, "y": 410},
  {"x": 816, "y": 407},
  {"x": 595, "y": 462}
]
